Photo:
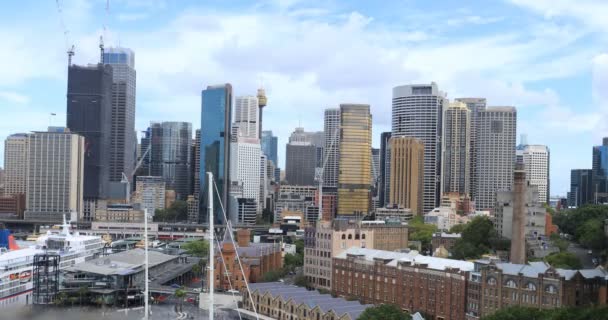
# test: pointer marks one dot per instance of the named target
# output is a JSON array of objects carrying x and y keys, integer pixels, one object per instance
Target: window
[
  {"x": 550, "y": 289},
  {"x": 343, "y": 237},
  {"x": 363, "y": 236},
  {"x": 531, "y": 286},
  {"x": 491, "y": 281},
  {"x": 350, "y": 237},
  {"x": 511, "y": 284}
]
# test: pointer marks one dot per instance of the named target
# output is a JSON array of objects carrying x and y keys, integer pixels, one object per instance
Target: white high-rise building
[
  {"x": 455, "y": 175},
  {"x": 417, "y": 113},
  {"x": 54, "y": 175},
  {"x": 475, "y": 105},
  {"x": 15, "y": 163},
  {"x": 536, "y": 162},
  {"x": 245, "y": 166},
  {"x": 150, "y": 193},
  {"x": 246, "y": 116},
  {"x": 496, "y": 131},
  {"x": 331, "y": 149}
]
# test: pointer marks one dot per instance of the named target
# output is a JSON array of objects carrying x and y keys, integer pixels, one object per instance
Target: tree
[
  {"x": 180, "y": 294},
  {"x": 591, "y": 234},
  {"x": 178, "y": 211},
  {"x": 565, "y": 260},
  {"x": 572, "y": 313},
  {"x": 384, "y": 312},
  {"x": 419, "y": 231},
  {"x": 478, "y": 237},
  {"x": 299, "y": 246},
  {"x": 291, "y": 261},
  {"x": 272, "y": 276},
  {"x": 198, "y": 248},
  {"x": 458, "y": 228},
  {"x": 82, "y": 292},
  {"x": 560, "y": 243},
  {"x": 517, "y": 313},
  {"x": 301, "y": 281}
]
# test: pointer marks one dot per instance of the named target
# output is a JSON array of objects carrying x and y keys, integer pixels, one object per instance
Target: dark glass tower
[
  {"x": 89, "y": 110},
  {"x": 216, "y": 115},
  {"x": 270, "y": 146},
  {"x": 385, "y": 169}
]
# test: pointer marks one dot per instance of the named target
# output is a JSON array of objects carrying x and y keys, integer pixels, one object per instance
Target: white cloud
[
  {"x": 134, "y": 16},
  {"x": 472, "y": 19},
  {"x": 14, "y": 97},
  {"x": 588, "y": 12}
]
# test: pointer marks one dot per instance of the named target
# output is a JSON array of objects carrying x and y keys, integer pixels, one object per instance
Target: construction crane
[
  {"x": 322, "y": 171},
  {"x": 125, "y": 179},
  {"x": 66, "y": 32}
]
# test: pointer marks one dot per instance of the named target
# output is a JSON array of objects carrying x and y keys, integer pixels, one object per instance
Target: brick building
[
  {"x": 12, "y": 206},
  {"x": 447, "y": 240},
  {"x": 329, "y": 239},
  {"x": 493, "y": 286},
  {"x": 256, "y": 259}
]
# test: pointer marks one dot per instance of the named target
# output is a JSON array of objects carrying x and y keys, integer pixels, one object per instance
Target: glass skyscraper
[
  {"x": 216, "y": 109},
  {"x": 270, "y": 146}
]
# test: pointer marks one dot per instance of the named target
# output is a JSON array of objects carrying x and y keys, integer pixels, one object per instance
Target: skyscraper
[
  {"x": 300, "y": 163},
  {"x": 270, "y": 145},
  {"x": 216, "y": 108},
  {"x": 536, "y": 163},
  {"x": 475, "y": 105},
  {"x": 496, "y": 131},
  {"x": 385, "y": 169},
  {"x": 15, "y": 164},
  {"x": 407, "y": 167},
  {"x": 455, "y": 175},
  {"x": 170, "y": 155},
  {"x": 150, "y": 193},
  {"x": 246, "y": 116},
  {"x": 417, "y": 113},
  {"x": 375, "y": 166},
  {"x": 55, "y": 176},
  {"x": 123, "y": 141},
  {"x": 89, "y": 114},
  {"x": 245, "y": 166},
  {"x": 600, "y": 171},
  {"x": 581, "y": 187},
  {"x": 331, "y": 148},
  {"x": 355, "y": 159}
]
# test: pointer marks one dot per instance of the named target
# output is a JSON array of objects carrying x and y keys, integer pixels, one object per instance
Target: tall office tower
[
  {"x": 455, "y": 175},
  {"x": 245, "y": 166},
  {"x": 581, "y": 187},
  {"x": 417, "y": 113},
  {"x": 15, "y": 164},
  {"x": 246, "y": 116},
  {"x": 89, "y": 114},
  {"x": 475, "y": 105},
  {"x": 600, "y": 172},
  {"x": 496, "y": 130},
  {"x": 150, "y": 193},
  {"x": 262, "y": 101},
  {"x": 216, "y": 108},
  {"x": 122, "y": 144},
  {"x": 170, "y": 155},
  {"x": 331, "y": 148},
  {"x": 196, "y": 164},
  {"x": 385, "y": 169},
  {"x": 316, "y": 138},
  {"x": 375, "y": 166},
  {"x": 536, "y": 163},
  {"x": 55, "y": 174},
  {"x": 270, "y": 145},
  {"x": 263, "y": 182},
  {"x": 355, "y": 160},
  {"x": 300, "y": 163},
  {"x": 518, "y": 242},
  {"x": 407, "y": 168}
]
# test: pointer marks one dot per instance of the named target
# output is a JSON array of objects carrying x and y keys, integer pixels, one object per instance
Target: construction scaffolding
[{"x": 46, "y": 278}]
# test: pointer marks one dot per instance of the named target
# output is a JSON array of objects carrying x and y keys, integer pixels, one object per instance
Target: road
[{"x": 583, "y": 255}]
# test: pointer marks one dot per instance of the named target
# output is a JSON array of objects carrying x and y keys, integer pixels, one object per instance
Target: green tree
[
  {"x": 419, "y": 231},
  {"x": 591, "y": 234},
  {"x": 565, "y": 260},
  {"x": 180, "y": 294},
  {"x": 291, "y": 261},
  {"x": 197, "y": 248},
  {"x": 301, "y": 281},
  {"x": 272, "y": 276},
  {"x": 458, "y": 228},
  {"x": 299, "y": 246},
  {"x": 384, "y": 312},
  {"x": 517, "y": 313},
  {"x": 82, "y": 293},
  {"x": 478, "y": 237},
  {"x": 560, "y": 243},
  {"x": 178, "y": 211},
  {"x": 573, "y": 313}
]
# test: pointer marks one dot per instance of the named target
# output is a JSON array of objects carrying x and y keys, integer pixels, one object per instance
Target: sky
[{"x": 548, "y": 58}]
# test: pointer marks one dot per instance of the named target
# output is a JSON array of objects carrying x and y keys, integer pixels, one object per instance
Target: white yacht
[{"x": 16, "y": 266}]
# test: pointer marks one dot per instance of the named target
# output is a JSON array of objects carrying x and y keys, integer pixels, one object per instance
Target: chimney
[
  {"x": 518, "y": 242},
  {"x": 243, "y": 236}
]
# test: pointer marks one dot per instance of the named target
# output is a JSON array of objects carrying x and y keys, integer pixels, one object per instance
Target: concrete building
[
  {"x": 475, "y": 106},
  {"x": 496, "y": 131},
  {"x": 494, "y": 286},
  {"x": 215, "y": 146},
  {"x": 417, "y": 113},
  {"x": 407, "y": 173},
  {"x": 331, "y": 148},
  {"x": 518, "y": 220},
  {"x": 150, "y": 193},
  {"x": 535, "y": 213},
  {"x": 445, "y": 218},
  {"x": 55, "y": 176},
  {"x": 195, "y": 165},
  {"x": 245, "y": 166},
  {"x": 15, "y": 164},
  {"x": 536, "y": 160},
  {"x": 330, "y": 238},
  {"x": 394, "y": 212},
  {"x": 456, "y": 149},
  {"x": 281, "y": 301},
  {"x": 432, "y": 286},
  {"x": 581, "y": 187},
  {"x": 444, "y": 240},
  {"x": 300, "y": 163},
  {"x": 12, "y": 206},
  {"x": 89, "y": 114},
  {"x": 246, "y": 116},
  {"x": 294, "y": 198},
  {"x": 119, "y": 212},
  {"x": 123, "y": 143},
  {"x": 270, "y": 145},
  {"x": 255, "y": 258},
  {"x": 355, "y": 160},
  {"x": 385, "y": 169},
  {"x": 247, "y": 211}
]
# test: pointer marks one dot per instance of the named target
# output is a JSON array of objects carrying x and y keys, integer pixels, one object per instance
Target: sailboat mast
[{"x": 211, "y": 243}]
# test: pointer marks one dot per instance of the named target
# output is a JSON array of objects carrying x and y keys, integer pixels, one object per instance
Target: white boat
[{"x": 16, "y": 266}]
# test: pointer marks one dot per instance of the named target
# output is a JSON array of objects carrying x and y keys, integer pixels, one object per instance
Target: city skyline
[{"x": 564, "y": 99}]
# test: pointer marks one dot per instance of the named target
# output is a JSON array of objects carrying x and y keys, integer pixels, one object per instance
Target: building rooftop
[
  {"x": 124, "y": 263},
  {"x": 447, "y": 235},
  {"x": 412, "y": 256},
  {"x": 312, "y": 299},
  {"x": 533, "y": 269}
]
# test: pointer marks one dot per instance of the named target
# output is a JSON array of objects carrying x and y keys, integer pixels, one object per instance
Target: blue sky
[{"x": 549, "y": 58}]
